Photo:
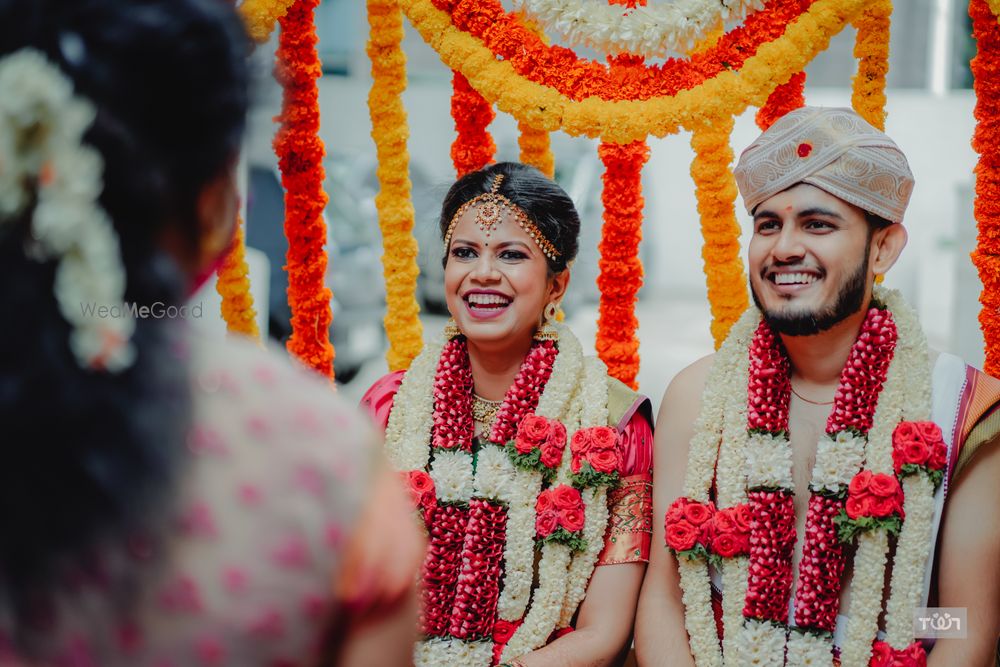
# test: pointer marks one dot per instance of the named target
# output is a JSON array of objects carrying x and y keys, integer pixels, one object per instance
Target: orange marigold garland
[
  {"x": 536, "y": 149},
  {"x": 510, "y": 39},
  {"x": 300, "y": 157},
  {"x": 620, "y": 267},
  {"x": 395, "y": 208},
  {"x": 260, "y": 16},
  {"x": 715, "y": 190},
  {"x": 986, "y": 138},
  {"x": 871, "y": 48},
  {"x": 786, "y": 97},
  {"x": 473, "y": 147},
  {"x": 233, "y": 285}
]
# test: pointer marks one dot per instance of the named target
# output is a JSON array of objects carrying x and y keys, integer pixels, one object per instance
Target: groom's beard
[{"x": 791, "y": 322}]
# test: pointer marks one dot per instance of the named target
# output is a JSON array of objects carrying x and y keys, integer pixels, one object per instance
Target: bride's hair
[{"x": 547, "y": 204}]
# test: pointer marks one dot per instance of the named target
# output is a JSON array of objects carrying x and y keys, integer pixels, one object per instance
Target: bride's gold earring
[
  {"x": 547, "y": 330},
  {"x": 451, "y": 329}
]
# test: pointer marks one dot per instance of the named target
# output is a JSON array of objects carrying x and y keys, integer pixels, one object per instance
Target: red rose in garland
[
  {"x": 596, "y": 458},
  {"x": 681, "y": 536},
  {"x": 730, "y": 531},
  {"x": 884, "y": 655},
  {"x": 538, "y": 445},
  {"x": 686, "y": 527},
  {"x": 560, "y": 517},
  {"x": 919, "y": 447},
  {"x": 422, "y": 493},
  {"x": 874, "y": 500}
]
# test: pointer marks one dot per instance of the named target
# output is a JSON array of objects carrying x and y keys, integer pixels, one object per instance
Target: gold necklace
[
  {"x": 485, "y": 411},
  {"x": 790, "y": 386}
]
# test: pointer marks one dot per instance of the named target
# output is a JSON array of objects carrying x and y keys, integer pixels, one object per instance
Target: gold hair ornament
[{"x": 489, "y": 215}]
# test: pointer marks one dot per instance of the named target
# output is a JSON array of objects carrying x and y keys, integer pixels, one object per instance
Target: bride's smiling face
[{"x": 497, "y": 285}]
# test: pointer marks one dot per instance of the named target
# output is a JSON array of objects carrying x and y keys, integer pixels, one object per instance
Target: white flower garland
[
  {"x": 724, "y": 399},
  {"x": 769, "y": 461},
  {"x": 905, "y": 396},
  {"x": 696, "y": 593},
  {"x": 546, "y": 603},
  {"x": 764, "y": 645},
  {"x": 838, "y": 459},
  {"x": 42, "y": 125},
  {"x": 914, "y": 543},
  {"x": 731, "y": 485},
  {"x": 577, "y": 395},
  {"x": 910, "y": 560},
  {"x": 593, "y": 401},
  {"x": 647, "y": 31},
  {"x": 451, "y": 471},
  {"x": 449, "y": 652},
  {"x": 808, "y": 650}
]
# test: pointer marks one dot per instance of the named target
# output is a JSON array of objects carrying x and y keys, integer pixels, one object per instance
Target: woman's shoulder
[
  {"x": 624, "y": 403},
  {"x": 259, "y": 396},
  {"x": 379, "y": 398}
]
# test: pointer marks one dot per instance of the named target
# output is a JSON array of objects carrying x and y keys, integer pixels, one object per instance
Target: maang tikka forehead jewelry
[{"x": 489, "y": 214}]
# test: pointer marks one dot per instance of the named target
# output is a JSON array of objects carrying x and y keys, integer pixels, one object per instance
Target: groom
[{"x": 827, "y": 192}]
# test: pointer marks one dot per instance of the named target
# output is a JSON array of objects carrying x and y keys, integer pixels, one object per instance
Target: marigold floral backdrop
[{"x": 724, "y": 57}]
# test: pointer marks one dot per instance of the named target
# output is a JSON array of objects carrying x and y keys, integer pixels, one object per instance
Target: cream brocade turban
[{"x": 833, "y": 149}]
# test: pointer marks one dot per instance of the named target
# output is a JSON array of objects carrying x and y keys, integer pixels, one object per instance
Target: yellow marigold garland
[
  {"x": 871, "y": 48},
  {"x": 395, "y": 208},
  {"x": 260, "y": 16},
  {"x": 715, "y": 190},
  {"x": 535, "y": 144},
  {"x": 536, "y": 149},
  {"x": 233, "y": 286},
  {"x": 995, "y": 7},
  {"x": 729, "y": 93}
]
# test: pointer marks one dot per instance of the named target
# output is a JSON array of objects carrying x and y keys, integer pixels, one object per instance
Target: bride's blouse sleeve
[
  {"x": 377, "y": 401},
  {"x": 630, "y": 521}
]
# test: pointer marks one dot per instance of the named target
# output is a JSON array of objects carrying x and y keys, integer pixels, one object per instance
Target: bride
[{"x": 528, "y": 464}]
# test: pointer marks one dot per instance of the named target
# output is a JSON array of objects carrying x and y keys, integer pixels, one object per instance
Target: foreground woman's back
[{"x": 166, "y": 500}]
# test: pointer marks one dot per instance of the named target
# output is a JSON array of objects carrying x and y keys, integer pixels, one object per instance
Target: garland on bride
[
  {"x": 538, "y": 480},
  {"x": 877, "y": 468}
]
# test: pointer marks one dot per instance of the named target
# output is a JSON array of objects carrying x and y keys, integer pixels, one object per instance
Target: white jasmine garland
[
  {"x": 546, "y": 603},
  {"x": 910, "y": 560},
  {"x": 866, "y": 597},
  {"x": 905, "y": 395},
  {"x": 763, "y": 644},
  {"x": 699, "y": 619},
  {"x": 595, "y": 501},
  {"x": 576, "y": 394},
  {"x": 408, "y": 433},
  {"x": 769, "y": 461},
  {"x": 838, "y": 460},
  {"x": 722, "y": 416},
  {"x": 651, "y": 31},
  {"x": 451, "y": 471},
  {"x": 593, "y": 401},
  {"x": 449, "y": 652},
  {"x": 808, "y": 650},
  {"x": 519, "y": 552},
  {"x": 43, "y": 158},
  {"x": 495, "y": 474},
  {"x": 704, "y": 448}
]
